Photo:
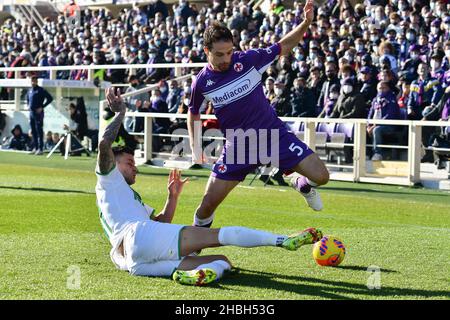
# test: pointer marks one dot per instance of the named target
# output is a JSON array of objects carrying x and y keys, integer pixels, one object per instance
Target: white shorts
[{"x": 153, "y": 248}]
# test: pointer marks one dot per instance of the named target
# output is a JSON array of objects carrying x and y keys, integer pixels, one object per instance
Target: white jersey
[{"x": 119, "y": 207}]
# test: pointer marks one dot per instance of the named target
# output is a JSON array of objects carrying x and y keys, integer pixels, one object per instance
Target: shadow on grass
[
  {"x": 316, "y": 287},
  {"x": 45, "y": 190},
  {"x": 362, "y": 268}
]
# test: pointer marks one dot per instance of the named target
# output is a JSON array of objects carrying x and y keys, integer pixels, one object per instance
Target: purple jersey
[
  {"x": 239, "y": 103},
  {"x": 237, "y": 94}
]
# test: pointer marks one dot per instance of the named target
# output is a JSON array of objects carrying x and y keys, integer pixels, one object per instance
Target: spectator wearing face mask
[
  {"x": 384, "y": 106},
  {"x": 153, "y": 75},
  {"x": 182, "y": 108},
  {"x": 331, "y": 102},
  {"x": 116, "y": 75},
  {"x": 413, "y": 62},
  {"x": 135, "y": 103},
  {"x": 425, "y": 92},
  {"x": 163, "y": 87},
  {"x": 350, "y": 103},
  {"x": 315, "y": 83},
  {"x": 436, "y": 66},
  {"x": 280, "y": 103},
  {"x": 174, "y": 97},
  {"x": 78, "y": 74},
  {"x": 286, "y": 72},
  {"x": 331, "y": 79},
  {"x": 425, "y": 46},
  {"x": 367, "y": 85},
  {"x": 160, "y": 125},
  {"x": 435, "y": 31},
  {"x": 302, "y": 100},
  {"x": 411, "y": 37},
  {"x": 366, "y": 61},
  {"x": 142, "y": 58}
]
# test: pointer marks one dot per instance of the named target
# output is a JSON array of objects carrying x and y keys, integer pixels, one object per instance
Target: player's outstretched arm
[
  {"x": 174, "y": 188},
  {"x": 105, "y": 154},
  {"x": 194, "y": 138},
  {"x": 289, "y": 41}
]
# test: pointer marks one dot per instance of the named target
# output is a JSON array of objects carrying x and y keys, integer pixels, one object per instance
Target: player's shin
[{"x": 245, "y": 237}]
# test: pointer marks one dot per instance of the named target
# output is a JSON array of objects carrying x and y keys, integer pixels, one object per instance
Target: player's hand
[
  {"x": 175, "y": 184},
  {"x": 308, "y": 11},
  {"x": 115, "y": 101}
]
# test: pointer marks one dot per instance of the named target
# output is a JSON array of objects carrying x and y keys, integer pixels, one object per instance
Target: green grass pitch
[{"x": 49, "y": 223}]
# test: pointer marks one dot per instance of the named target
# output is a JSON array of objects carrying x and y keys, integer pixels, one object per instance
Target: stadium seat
[{"x": 343, "y": 133}]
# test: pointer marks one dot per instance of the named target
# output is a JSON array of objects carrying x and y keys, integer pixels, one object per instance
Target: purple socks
[{"x": 303, "y": 185}]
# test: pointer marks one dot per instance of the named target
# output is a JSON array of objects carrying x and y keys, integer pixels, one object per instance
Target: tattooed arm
[{"x": 105, "y": 155}]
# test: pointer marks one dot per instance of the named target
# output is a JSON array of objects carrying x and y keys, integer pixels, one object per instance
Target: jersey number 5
[{"x": 294, "y": 148}]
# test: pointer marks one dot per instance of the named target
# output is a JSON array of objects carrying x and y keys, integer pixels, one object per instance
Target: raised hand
[
  {"x": 309, "y": 11},
  {"x": 175, "y": 184},
  {"x": 115, "y": 101}
]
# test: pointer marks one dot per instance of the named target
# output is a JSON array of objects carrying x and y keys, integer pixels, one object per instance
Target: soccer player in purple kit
[{"x": 232, "y": 82}]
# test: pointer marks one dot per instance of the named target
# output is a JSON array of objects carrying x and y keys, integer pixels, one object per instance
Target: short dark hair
[
  {"x": 216, "y": 32},
  {"x": 119, "y": 150}
]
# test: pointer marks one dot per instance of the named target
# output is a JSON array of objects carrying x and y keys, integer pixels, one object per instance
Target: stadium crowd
[{"x": 382, "y": 59}]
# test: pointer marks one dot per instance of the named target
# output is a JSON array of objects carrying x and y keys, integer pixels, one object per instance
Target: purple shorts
[{"x": 291, "y": 152}]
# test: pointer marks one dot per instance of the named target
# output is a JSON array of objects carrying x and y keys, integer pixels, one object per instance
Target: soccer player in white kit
[{"x": 147, "y": 244}]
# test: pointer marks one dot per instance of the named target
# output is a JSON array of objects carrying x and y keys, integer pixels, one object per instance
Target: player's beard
[{"x": 222, "y": 67}]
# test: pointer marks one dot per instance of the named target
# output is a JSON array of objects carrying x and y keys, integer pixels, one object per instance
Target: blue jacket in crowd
[{"x": 38, "y": 97}]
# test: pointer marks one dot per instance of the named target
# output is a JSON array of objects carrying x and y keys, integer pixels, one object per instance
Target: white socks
[
  {"x": 219, "y": 266},
  {"x": 203, "y": 222},
  {"x": 245, "y": 237}
]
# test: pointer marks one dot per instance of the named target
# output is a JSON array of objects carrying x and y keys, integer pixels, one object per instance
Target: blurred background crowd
[{"x": 386, "y": 59}]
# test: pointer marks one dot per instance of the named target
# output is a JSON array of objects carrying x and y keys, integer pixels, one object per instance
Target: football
[{"x": 329, "y": 251}]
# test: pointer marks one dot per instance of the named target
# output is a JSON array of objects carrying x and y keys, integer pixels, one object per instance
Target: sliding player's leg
[
  {"x": 195, "y": 270},
  {"x": 194, "y": 238}
]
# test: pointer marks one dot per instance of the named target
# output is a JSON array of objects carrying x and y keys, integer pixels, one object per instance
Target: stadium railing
[{"x": 315, "y": 132}]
